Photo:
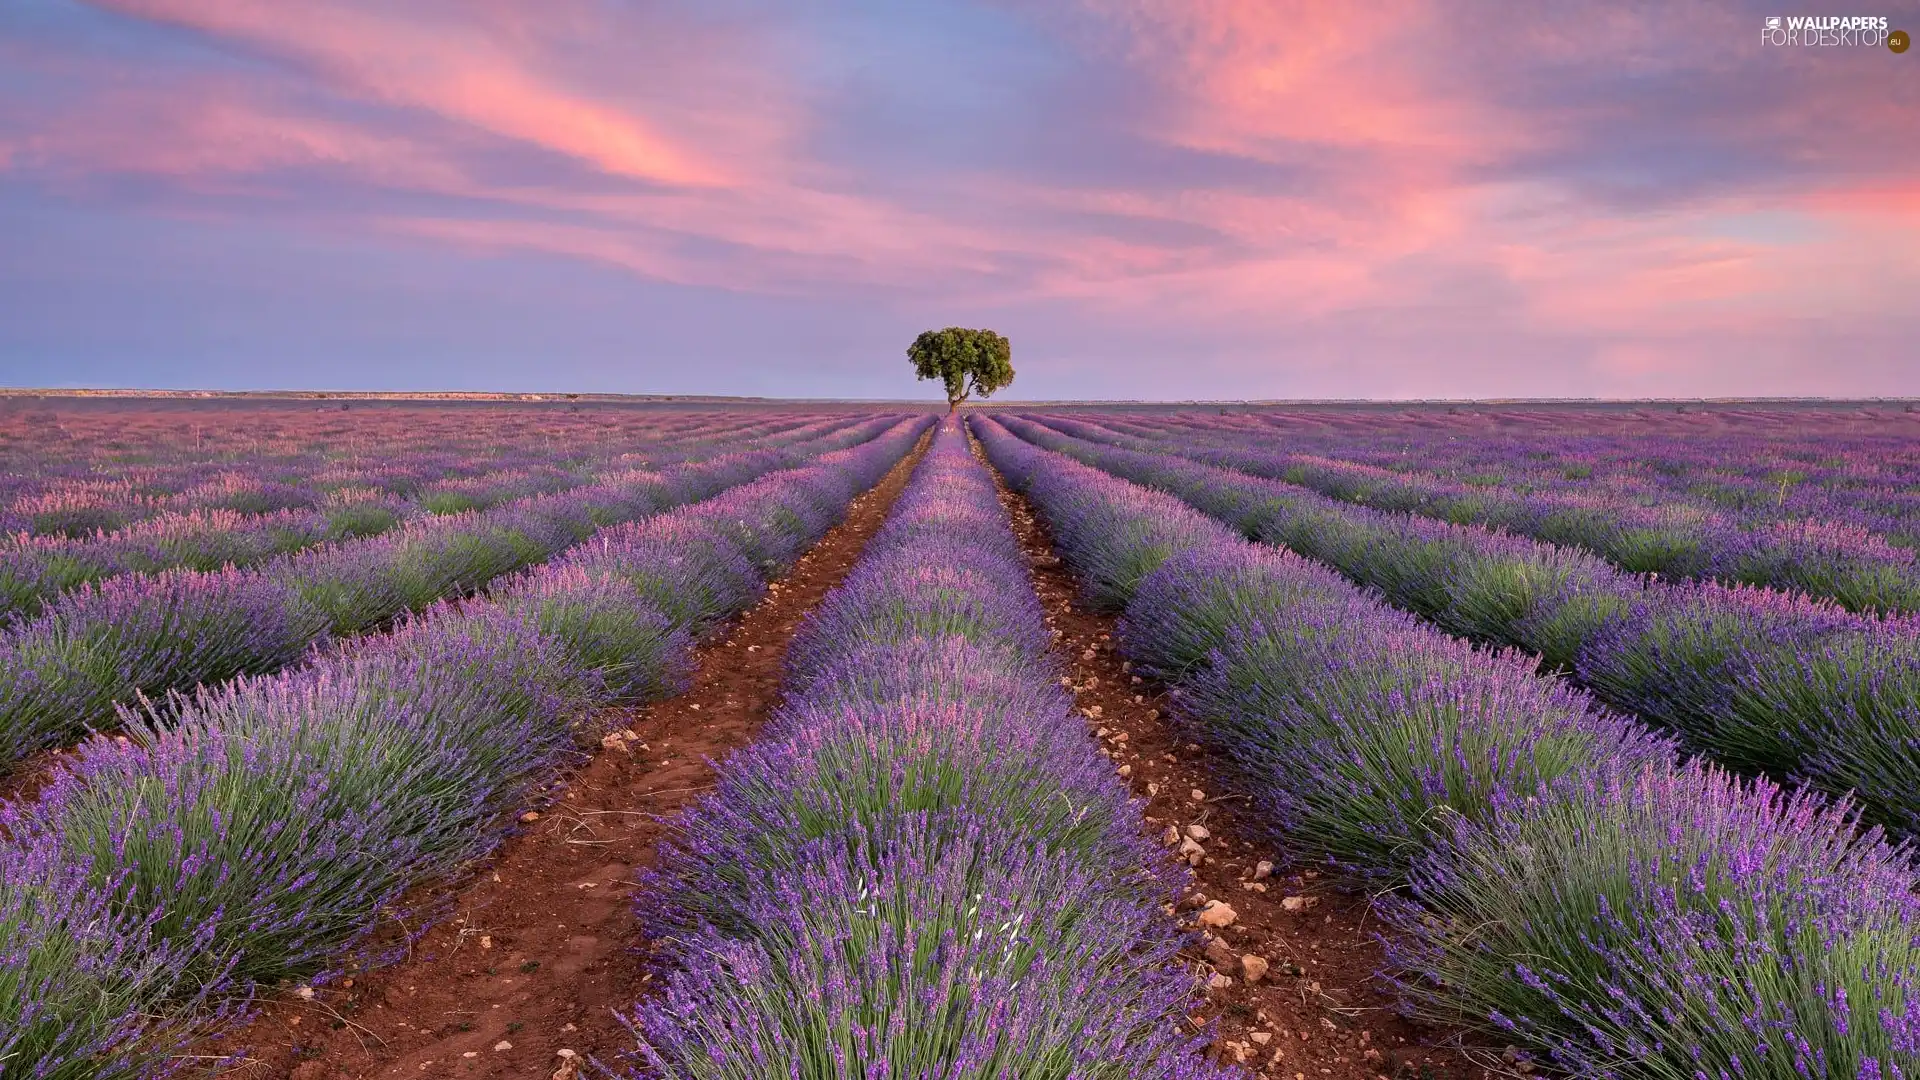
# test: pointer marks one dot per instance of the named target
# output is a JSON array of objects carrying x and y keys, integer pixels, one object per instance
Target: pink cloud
[
  {"x": 452, "y": 68},
  {"x": 206, "y": 132},
  {"x": 1344, "y": 166}
]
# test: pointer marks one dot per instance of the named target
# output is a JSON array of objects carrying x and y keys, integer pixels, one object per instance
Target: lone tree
[{"x": 968, "y": 361}]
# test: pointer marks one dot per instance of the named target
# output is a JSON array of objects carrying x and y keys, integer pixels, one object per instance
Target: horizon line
[{"x": 575, "y": 397}]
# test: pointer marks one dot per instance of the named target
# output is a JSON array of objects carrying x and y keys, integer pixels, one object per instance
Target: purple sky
[{"x": 1152, "y": 198}]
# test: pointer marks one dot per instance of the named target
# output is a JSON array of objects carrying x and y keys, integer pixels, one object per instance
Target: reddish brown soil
[
  {"x": 27, "y": 778},
  {"x": 1319, "y": 1005},
  {"x": 543, "y": 947}
]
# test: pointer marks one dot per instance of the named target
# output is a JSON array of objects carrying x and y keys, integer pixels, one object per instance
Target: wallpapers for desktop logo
[{"x": 1834, "y": 31}]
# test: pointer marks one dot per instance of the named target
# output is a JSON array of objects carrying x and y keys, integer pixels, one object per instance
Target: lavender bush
[
  {"x": 862, "y": 766},
  {"x": 927, "y": 954},
  {"x": 1364, "y": 733},
  {"x": 1675, "y": 657},
  {"x": 88, "y": 991},
  {"x": 688, "y": 569},
  {"x": 1852, "y": 702},
  {"x": 1675, "y": 922},
  {"x": 124, "y": 638},
  {"x": 639, "y": 652},
  {"x": 286, "y": 813},
  {"x": 1187, "y": 608},
  {"x": 924, "y": 595}
]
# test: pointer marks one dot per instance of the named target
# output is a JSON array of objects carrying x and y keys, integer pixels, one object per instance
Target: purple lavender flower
[
  {"x": 687, "y": 568},
  {"x": 921, "y": 953},
  {"x": 126, "y": 637},
  {"x": 1675, "y": 922},
  {"x": 607, "y": 626},
  {"x": 88, "y": 989},
  {"x": 1680, "y": 654}
]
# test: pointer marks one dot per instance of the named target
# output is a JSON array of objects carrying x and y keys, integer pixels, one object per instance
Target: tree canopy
[{"x": 967, "y": 361}]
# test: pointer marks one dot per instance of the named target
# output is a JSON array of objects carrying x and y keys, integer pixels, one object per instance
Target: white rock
[{"x": 1218, "y": 914}]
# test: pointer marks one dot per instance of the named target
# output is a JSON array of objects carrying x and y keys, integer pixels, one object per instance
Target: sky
[{"x": 1153, "y": 199}]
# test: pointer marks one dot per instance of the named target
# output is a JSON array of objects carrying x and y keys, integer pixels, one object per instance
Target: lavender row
[
  {"x": 1555, "y": 875},
  {"x": 146, "y": 635},
  {"x": 438, "y": 471},
  {"x": 1756, "y": 474},
  {"x": 1857, "y": 569},
  {"x": 147, "y": 455},
  {"x": 1760, "y": 680},
  {"x": 245, "y": 532},
  {"x": 83, "y": 508},
  {"x": 265, "y": 828},
  {"x": 923, "y": 868},
  {"x": 441, "y": 472},
  {"x": 251, "y": 523}
]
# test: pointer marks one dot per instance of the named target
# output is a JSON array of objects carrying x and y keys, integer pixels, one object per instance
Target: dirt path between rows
[
  {"x": 1317, "y": 1011},
  {"x": 543, "y": 947}
]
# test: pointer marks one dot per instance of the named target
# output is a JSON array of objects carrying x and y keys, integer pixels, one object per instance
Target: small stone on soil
[{"x": 1218, "y": 914}]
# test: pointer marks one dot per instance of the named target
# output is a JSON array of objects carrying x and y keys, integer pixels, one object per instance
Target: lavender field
[{"x": 1590, "y": 738}]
